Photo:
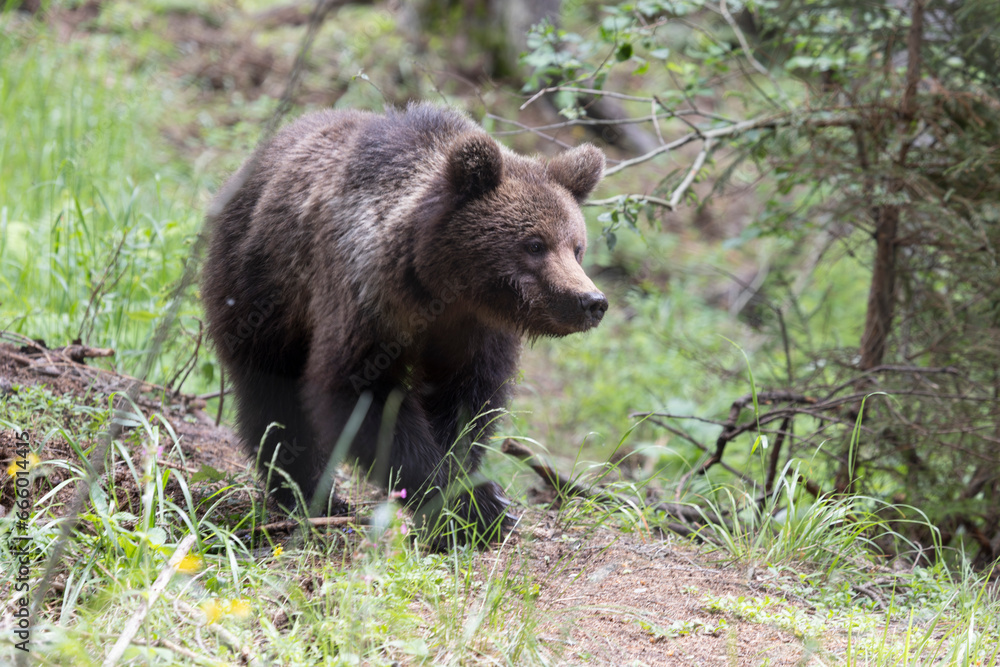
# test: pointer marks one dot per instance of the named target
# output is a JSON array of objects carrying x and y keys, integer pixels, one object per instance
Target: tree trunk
[{"x": 881, "y": 294}]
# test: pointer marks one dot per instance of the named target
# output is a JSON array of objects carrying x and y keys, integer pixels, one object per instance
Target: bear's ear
[
  {"x": 475, "y": 167},
  {"x": 578, "y": 170}
]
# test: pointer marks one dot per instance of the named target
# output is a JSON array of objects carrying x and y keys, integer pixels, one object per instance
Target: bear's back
[
  {"x": 391, "y": 150},
  {"x": 321, "y": 212}
]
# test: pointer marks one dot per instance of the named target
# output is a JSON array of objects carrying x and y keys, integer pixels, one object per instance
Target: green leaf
[
  {"x": 208, "y": 474},
  {"x": 624, "y": 52},
  {"x": 415, "y": 647},
  {"x": 156, "y": 536},
  {"x": 99, "y": 497}
]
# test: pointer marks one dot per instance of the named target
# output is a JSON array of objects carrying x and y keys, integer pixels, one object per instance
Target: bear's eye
[
  {"x": 536, "y": 247},
  {"x": 579, "y": 253}
]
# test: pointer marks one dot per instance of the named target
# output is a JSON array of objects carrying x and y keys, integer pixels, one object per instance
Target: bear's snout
[
  {"x": 593, "y": 305},
  {"x": 572, "y": 312}
]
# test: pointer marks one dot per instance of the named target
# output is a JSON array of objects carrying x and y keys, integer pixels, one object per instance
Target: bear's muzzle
[{"x": 593, "y": 305}]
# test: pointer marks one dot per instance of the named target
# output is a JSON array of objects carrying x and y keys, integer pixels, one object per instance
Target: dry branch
[
  {"x": 692, "y": 517},
  {"x": 731, "y": 428},
  {"x": 78, "y": 353},
  {"x": 292, "y": 524},
  {"x": 555, "y": 480}
]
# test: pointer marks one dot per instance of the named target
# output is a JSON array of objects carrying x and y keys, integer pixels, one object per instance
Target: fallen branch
[
  {"x": 563, "y": 485},
  {"x": 684, "y": 531},
  {"x": 78, "y": 353},
  {"x": 176, "y": 648},
  {"x": 291, "y": 524},
  {"x": 75, "y": 352},
  {"x": 555, "y": 480}
]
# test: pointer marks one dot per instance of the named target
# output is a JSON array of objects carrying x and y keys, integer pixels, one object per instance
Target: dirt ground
[
  {"x": 609, "y": 597},
  {"x": 617, "y": 598}
]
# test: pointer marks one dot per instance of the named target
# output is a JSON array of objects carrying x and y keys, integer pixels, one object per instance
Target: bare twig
[
  {"x": 291, "y": 524},
  {"x": 639, "y": 199},
  {"x": 584, "y": 121},
  {"x": 189, "y": 365},
  {"x": 176, "y": 648},
  {"x": 586, "y": 91},
  {"x": 748, "y": 52},
  {"x": 534, "y": 130},
  {"x": 553, "y": 478},
  {"x": 699, "y": 162},
  {"x": 214, "y": 394},
  {"x": 870, "y": 593},
  {"x": 689, "y": 438}
]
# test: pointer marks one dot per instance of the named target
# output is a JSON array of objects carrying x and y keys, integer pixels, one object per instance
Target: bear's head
[{"x": 509, "y": 230}]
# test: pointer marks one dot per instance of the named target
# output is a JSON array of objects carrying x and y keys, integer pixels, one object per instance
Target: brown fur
[{"x": 399, "y": 258}]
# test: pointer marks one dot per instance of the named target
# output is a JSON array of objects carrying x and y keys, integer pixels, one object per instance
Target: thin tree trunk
[
  {"x": 881, "y": 294},
  {"x": 882, "y": 290}
]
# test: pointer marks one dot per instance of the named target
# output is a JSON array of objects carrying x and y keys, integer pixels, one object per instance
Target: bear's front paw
[{"x": 479, "y": 518}]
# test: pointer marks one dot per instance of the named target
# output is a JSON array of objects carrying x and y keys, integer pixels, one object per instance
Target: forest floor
[{"x": 602, "y": 593}]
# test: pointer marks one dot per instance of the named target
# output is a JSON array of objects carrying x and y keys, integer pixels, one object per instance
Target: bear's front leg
[
  {"x": 451, "y": 503},
  {"x": 411, "y": 459},
  {"x": 400, "y": 442},
  {"x": 464, "y": 384}
]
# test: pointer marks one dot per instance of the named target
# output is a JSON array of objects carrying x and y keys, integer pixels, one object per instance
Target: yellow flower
[
  {"x": 189, "y": 564},
  {"x": 239, "y": 608},
  {"x": 215, "y": 608},
  {"x": 212, "y": 609},
  {"x": 278, "y": 550},
  {"x": 16, "y": 465}
]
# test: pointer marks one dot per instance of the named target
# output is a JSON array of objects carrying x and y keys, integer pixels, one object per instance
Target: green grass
[
  {"x": 96, "y": 219},
  {"x": 824, "y": 551}
]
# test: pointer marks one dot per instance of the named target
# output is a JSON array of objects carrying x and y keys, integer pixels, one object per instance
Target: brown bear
[{"x": 368, "y": 284}]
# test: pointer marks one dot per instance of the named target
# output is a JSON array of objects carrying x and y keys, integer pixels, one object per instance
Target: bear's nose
[{"x": 594, "y": 304}]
